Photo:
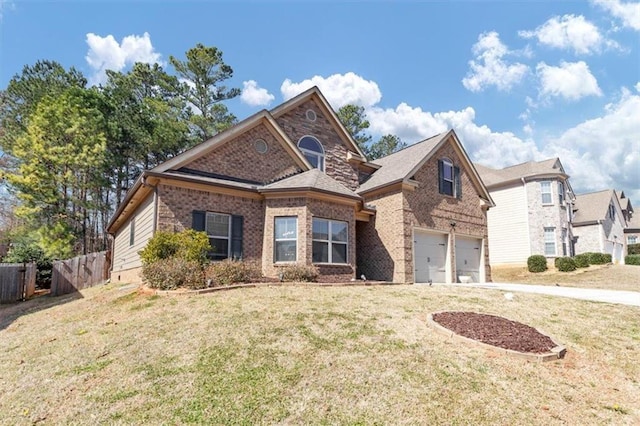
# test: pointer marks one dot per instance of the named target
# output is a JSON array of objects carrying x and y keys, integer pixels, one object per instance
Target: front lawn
[{"x": 310, "y": 355}]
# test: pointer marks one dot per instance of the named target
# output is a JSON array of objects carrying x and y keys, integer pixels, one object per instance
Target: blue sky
[{"x": 517, "y": 80}]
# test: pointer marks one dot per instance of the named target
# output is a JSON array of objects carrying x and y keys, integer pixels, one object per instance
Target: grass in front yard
[
  {"x": 610, "y": 277},
  {"x": 335, "y": 355}
]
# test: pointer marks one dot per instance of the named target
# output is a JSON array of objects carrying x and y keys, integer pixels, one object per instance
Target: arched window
[{"x": 313, "y": 151}]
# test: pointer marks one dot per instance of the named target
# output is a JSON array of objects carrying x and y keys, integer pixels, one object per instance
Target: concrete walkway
[{"x": 631, "y": 298}]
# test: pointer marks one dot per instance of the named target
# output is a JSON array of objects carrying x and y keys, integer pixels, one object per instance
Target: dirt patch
[{"x": 496, "y": 331}]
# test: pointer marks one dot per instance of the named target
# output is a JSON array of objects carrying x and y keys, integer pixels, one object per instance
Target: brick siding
[
  {"x": 239, "y": 158},
  {"x": 296, "y": 125}
]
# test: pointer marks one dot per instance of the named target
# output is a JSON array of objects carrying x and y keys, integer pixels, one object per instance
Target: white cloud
[
  {"x": 571, "y": 80},
  {"x": 253, "y": 95},
  {"x": 489, "y": 68},
  {"x": 628, "y": 13},
  {"x": 339, "y": 89},
  {"x": 105, "y": 53},
  {"x": 604, "y": 152},
  {"x": 484, "y": 145},
  {"x": 570, "y": 32},
  {"x": 6, "y": 5}
]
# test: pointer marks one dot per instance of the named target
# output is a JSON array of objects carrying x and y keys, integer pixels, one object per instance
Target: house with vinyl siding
[
  {"x": 533, "y": 212},
  {"x": 290, "y": 186}
]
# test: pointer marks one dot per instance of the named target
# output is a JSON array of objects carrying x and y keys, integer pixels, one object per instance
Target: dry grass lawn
[
  {"x": 611, "y": 277},
  {"x": 309, "y": 355}
]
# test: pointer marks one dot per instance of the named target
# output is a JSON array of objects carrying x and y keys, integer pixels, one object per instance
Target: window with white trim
[
  {"x": 561, "y": 192},
  {"x": 286, "y": 239},
  {"x": 449, "y": 178},
  {"x": 545, "y": 189},
  {"x": 330, "y": 241},
  {"x": 564, "y": 241},
  {"x": 132, "y": 232},
  {"x": 313, "y": 151},
  {"x": 632, "y": 239},
  {"x": 218, "y": 228},
  {"x": 612, "y": 212},
  {"x": 549, "y": 241}
]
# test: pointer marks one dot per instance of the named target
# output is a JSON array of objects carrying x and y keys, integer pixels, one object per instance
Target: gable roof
[
  {"x": 261, "y": 117},
  {"x": 545, "y": 168},
  {"x": 592, "y": 207},
  {"x": 402, "y": 165},
  {"x": 315, "y": 94},
  {"x": 313, "y": 179}
]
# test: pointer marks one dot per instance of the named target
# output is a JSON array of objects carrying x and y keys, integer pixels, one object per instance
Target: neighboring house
[
  {"x": 632, "y": 230},
  {"x": 290, "y": 186},
  {"x": 599, "y": 224},
  {"x": 533, "y": 211}
]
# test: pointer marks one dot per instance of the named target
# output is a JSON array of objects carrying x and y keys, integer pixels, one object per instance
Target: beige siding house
[
  {"x": 290, "y": 186},
  {"x": 599, "y": 224},
  {"x": 533, "y": 211}
]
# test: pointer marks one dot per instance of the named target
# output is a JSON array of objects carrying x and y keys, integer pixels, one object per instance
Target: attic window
[
  {"x": 313, "y": 151},
  {"x": 261, "y": 146},
  {"x": 311, "y": 115}
]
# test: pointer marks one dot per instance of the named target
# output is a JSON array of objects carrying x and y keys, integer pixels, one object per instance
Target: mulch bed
[{"x": 495, "y": 331}]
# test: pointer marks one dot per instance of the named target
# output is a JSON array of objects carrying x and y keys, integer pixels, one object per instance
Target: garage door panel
[
  {"x": 468, "y": 252},
  {"x": 430, "y": 251}
]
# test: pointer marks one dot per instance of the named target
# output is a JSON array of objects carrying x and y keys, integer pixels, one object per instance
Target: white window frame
[
  {"x": 319, "y": 156},
  {"x": 330, "y": 242},
  {"x": 448, "y": 164},
  {"x": 612, "y": 212},
  {"x": 632, "y": 239},
  {"x": 132, "y": 232},
  {"x": 219, "y": 237},
  {"x": 277, "y": 239},
  {"x": 543, "y": 185},
  {"x": 561, "y": 193},
  {"x": 550, "y": 238}
]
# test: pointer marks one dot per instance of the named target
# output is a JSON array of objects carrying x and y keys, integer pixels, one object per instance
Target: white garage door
[
  {"x": 430, "y": 253},
  {"x": 468, "y": 252}
]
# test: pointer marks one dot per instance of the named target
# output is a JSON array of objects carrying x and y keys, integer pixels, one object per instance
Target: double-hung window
[
  {"x": 449, "y": 178},
  {"x": 330, "y": 241},
  {"x": 561, "y": 192},
  {"x": 224, "y": 232},
  {"x": 632, "y": 239},
  {"x": 218, "y": 227},
  {"x": 612, "y": 212},
  {"x": 545, "y": 189},
  {"x": 286, "y": 239},
  {"x": 550, "y": 241}
]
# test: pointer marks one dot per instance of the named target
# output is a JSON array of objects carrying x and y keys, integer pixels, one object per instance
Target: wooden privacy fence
[
  {"x": 80, "y": 272},
  {"x": 17, "y": 281}
]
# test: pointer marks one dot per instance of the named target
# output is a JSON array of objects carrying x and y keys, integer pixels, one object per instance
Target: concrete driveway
[{"x": 631, "y": 298}]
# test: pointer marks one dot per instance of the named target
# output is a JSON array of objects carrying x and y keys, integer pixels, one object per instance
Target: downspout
[{"x": 601, "y": 234}]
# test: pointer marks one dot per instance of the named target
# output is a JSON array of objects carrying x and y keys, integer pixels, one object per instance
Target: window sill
[{"x": 331, "y": 264}]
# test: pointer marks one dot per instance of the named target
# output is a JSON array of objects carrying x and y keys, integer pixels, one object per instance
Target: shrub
[
  {"x": 299, "y": 272},
  {"x": 188, "y": 245},
  {"x": 581, "y": 260},
  {"x": 29, "y": 251},
  {"x": 565, "y": 264},
  {"x": 537, "y": 263},
  {"x": 230, "y": 271},
  {"x": 632, "y": 259},
  {"x": 172, "y": 273},
  {"x": 598, "y": 258},
  {"x": 633, "y": 248}
]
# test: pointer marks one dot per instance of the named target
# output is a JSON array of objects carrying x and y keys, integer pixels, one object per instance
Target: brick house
[
  {"x": 290, "y": 185},
  {"x": 599, "y": 224},
  {"x": 533, "y": 211}
]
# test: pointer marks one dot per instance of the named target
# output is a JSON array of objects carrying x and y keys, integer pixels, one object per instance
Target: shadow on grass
[{"x": 10, "y": 312}]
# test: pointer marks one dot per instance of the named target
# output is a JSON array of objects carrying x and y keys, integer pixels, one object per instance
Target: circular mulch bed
[{"x": 496, "y": 331}]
